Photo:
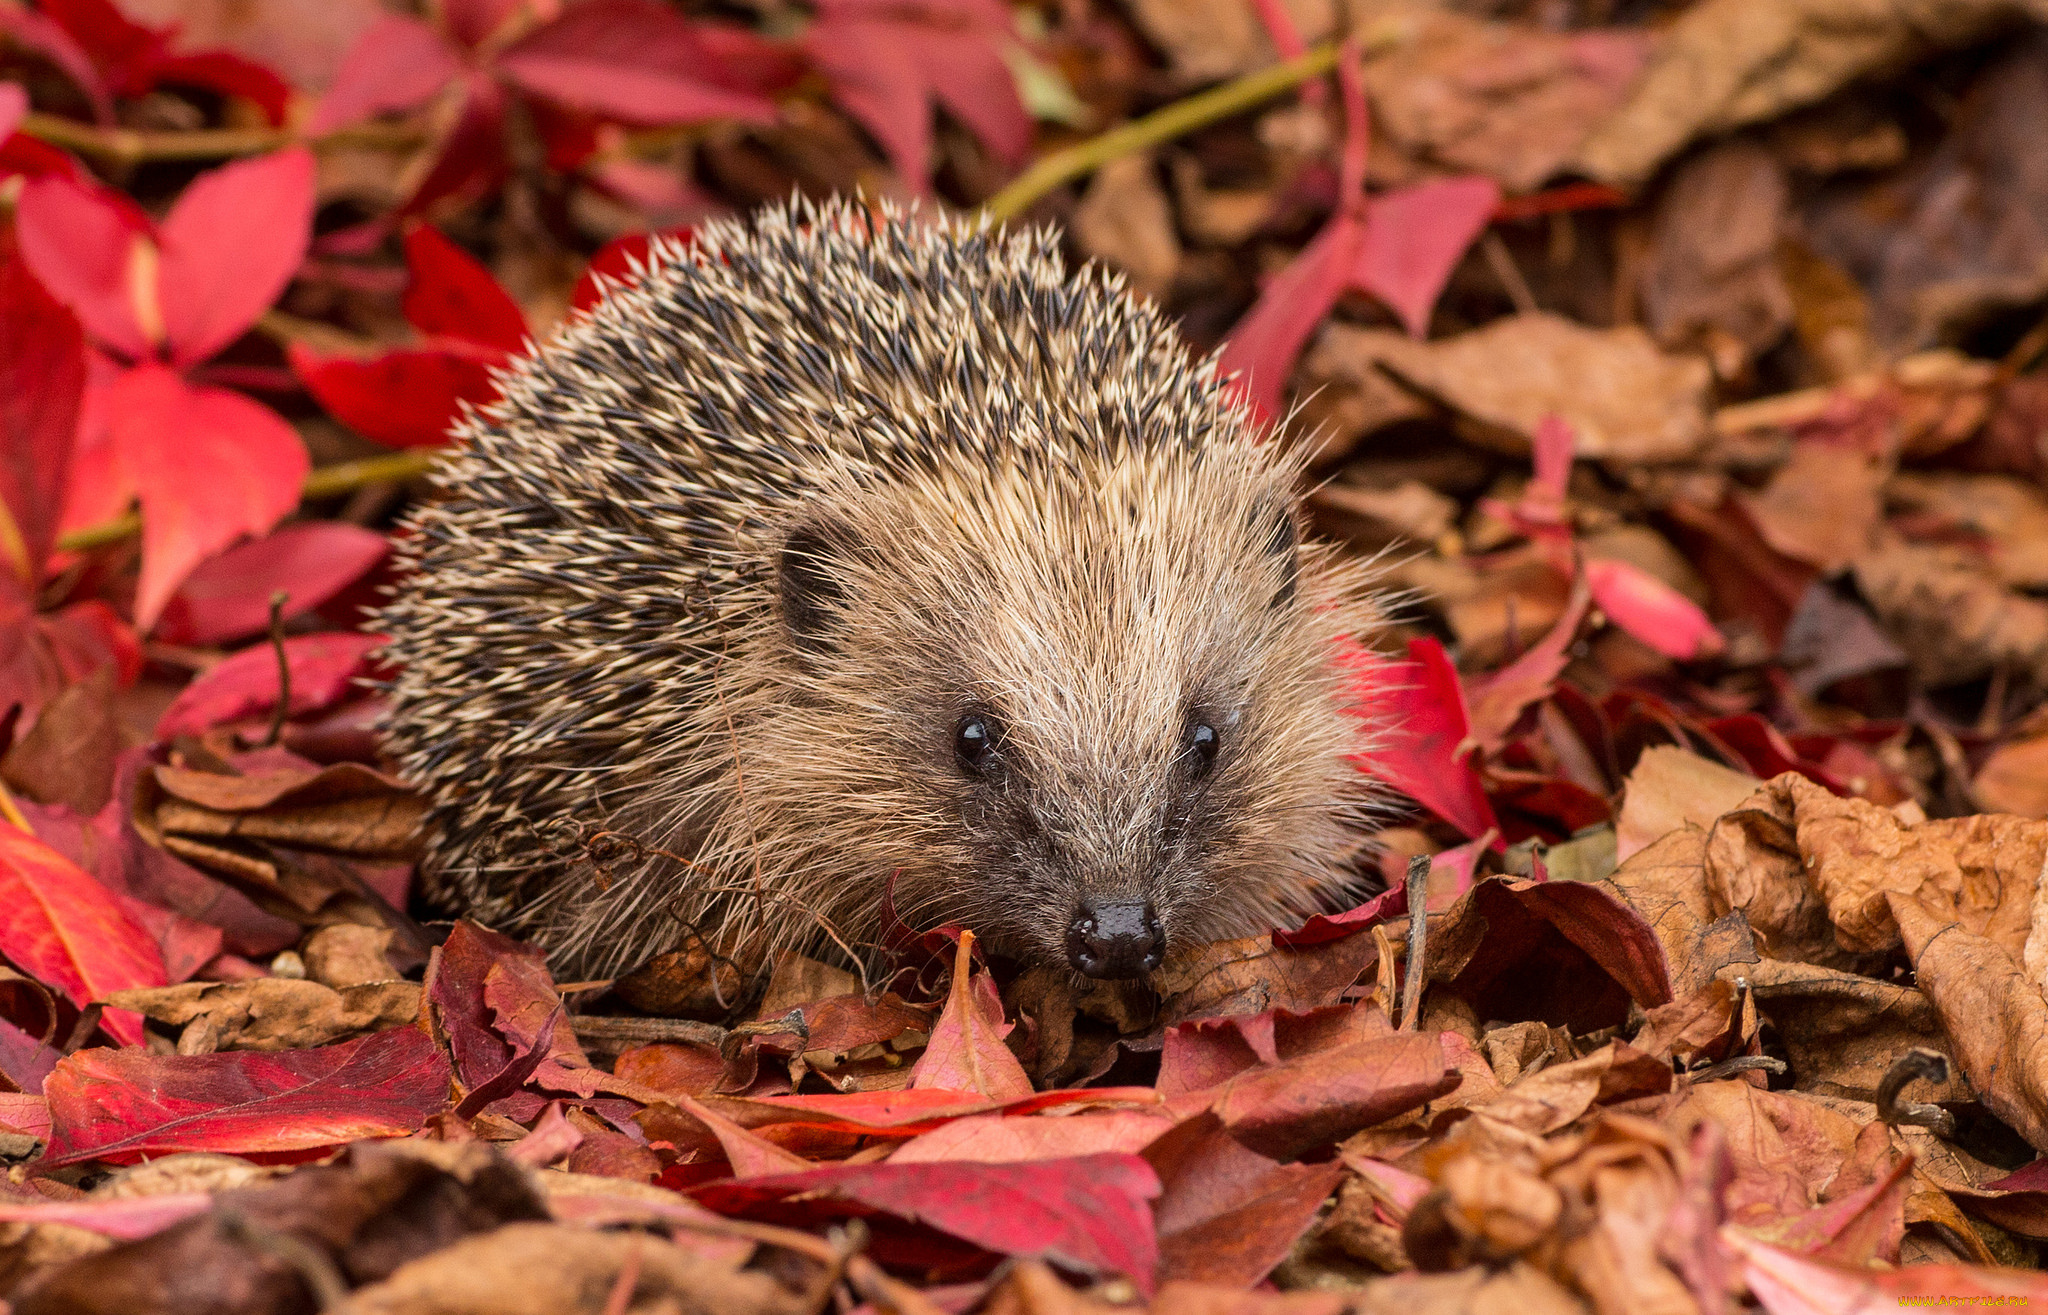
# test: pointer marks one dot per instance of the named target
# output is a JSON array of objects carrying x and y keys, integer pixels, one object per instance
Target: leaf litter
[{"x": 1681, "y": 358}]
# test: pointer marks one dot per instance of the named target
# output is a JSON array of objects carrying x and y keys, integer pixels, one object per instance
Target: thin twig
[
  {"x": 1915, "y": 1063},
  {"x": 1165, "y": 124},
  {"x": 326, "y": 482},
  {"x": 278, "y": 598},
  {"x": 1418, "y": 935}
]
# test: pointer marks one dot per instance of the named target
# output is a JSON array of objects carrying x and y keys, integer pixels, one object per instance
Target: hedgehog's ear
[
  {"x": 810, "y": 581},
  {"x": 1275, "y": 525}
]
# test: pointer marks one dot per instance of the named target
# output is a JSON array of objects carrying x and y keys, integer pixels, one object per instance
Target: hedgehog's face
[{"x": 1091, "y": 723}]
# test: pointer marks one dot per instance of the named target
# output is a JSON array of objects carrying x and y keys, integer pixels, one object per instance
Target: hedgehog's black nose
[{"x": 1115, "y": 938}]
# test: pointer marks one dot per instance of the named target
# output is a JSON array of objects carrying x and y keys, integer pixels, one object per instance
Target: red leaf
[
  {"x": 229, "y": 246},
  {"x": 1415, "y": 237},
  {"x": 1284, "y": 1110},
  {"x": 400, "y": 399},
  {"x": 1263, "y": 346},
  {"x": 887, "y": 62},
  {"x": 230, "y": 74},
  {"x": 122, "y": 48},
  {"x": 80, "y": 245},
  {"x": 13, "y": 105},
  {"x": 23, "y": 155},
  {"x": 907, "y": 1113},
  {"x": 472, "y": 159},
  {"x": 452, "y": 295},
  {"x": 42, "y": 382},
  {"x": 636, "y": 61},
  {"x": 63, "y": 928},
  {"x": 1226, "y": 1214},
  {"x": 108, "y": 1103},
  {"x": 966, "y": 1052},
  {"x": 1088, "y": 1213},
  {"x": 1006, "y": 1139},
  {"x": 1651, "y": 610},
  {"x": 614, "y": 264},
  {"x": 229, "y": 597},
  {"x": 40, "y": 655},
  {"x": 399, "y": 62},
  {"x": 1390, "y": 903},
  {"x": 210, "y": 465},
  {"x": 38, "y": 33},
  {"x": 1425, "y": 755},
  {"x": 1787, "y": 1284},
  {"x": 470, "y": 21},
  {"x": 323, "y": 668},
  {"x": 1499, "y": 699}
]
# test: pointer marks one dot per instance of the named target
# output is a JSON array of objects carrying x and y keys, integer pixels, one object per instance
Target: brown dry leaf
[
  {"x": 1993, "y": 1007},
  {"x": 1672, "y": 788},
  {"x": 1951, "y": 614},
  {"x": 272, "y": 1013},
  {"x": 346, "y": 954},
  {"x": 1373, "y": 518},
  {"x": 1209, "y": 40},
  {"x": 1507, "y": 100},
  {"x": 1813, "y": 872},
  {"x": 1253, "y": 975},
  {"x": 1625, "y": 399},
  {"x": 1125, "y": 220},
  {"x": 344, "y": 809},
  {"x": 1785, "y": 1148},
  {"x": 1957, "y": 237},
  {"x": 1496, "y": 605},
  {"x": 2014, "y": 779},
  {"x": 68, "y": 755},
  {"x": 2011, "y": 514},
  {"x": 1666, "y": 883},
  {"x": 1841, "y": 1031},
  {"x": 548, "y": 1268},
  {"x": 1822, "y": 505},
  {"x": 1345, "y": 396},
  {"x": 1724, "y": 63},
  {"x": 1624, "y": 1182},
  {"x": 1713, "y": 281},
  {"x": 1558, "y": 1096}
]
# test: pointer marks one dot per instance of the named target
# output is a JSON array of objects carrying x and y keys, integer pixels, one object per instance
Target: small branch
[
  {"x": 278, "y": 599},
  {"x": 326, "y": 482},
  {"x": 127, "y": 146},
  {"x": 1165, "y": 124},
  {"x": 1418, "y": 938},
  {"x": 1915, "y": 1063}
]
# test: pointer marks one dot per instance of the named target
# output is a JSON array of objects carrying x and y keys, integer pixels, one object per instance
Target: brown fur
[{"x": 1016, "y": 497}]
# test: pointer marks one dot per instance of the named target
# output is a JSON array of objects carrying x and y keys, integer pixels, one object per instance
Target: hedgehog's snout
[{"x": 1116, "y": 938}]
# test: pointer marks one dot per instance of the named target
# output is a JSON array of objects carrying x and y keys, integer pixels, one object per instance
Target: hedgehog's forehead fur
[{"x": 1024, "y": 501}]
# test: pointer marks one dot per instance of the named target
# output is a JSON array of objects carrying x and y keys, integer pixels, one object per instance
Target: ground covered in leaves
[{"x": 1679, "y": 357}]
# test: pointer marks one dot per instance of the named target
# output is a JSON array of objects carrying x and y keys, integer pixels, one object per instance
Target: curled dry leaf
[{"x": 272, "y": 1013}]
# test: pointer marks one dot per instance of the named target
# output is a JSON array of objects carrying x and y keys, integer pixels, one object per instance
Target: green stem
[
  {"x": 326, "y": 482},
  {"x": 1162, "y": 125}
]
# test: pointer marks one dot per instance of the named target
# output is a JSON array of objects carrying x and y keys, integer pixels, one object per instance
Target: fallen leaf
[
  {"x": 64, "y": 928},
  {"x": 122, "y": 1104},
  {"x": 323, "y": 671},
  {"x": 1625, "y": 399},
  {"x": 1090, "y": 1213},
  {"x": 966, "y": 1051},
  {"x": 1225, "y": 1214}
]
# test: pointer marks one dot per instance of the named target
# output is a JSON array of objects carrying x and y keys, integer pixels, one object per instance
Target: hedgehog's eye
[
  {"x": 1202, "y": 743},
  {"x": 975, "y": 741}
]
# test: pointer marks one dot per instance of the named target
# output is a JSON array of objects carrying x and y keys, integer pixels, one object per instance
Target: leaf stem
[
  {"x": 1164, "y": 124},
  {"x": 342, "y": 477},
  {"x": 128, "y": 146}
]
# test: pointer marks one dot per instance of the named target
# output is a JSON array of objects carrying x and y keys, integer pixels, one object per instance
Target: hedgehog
[{"x": 857, "y": 570}]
